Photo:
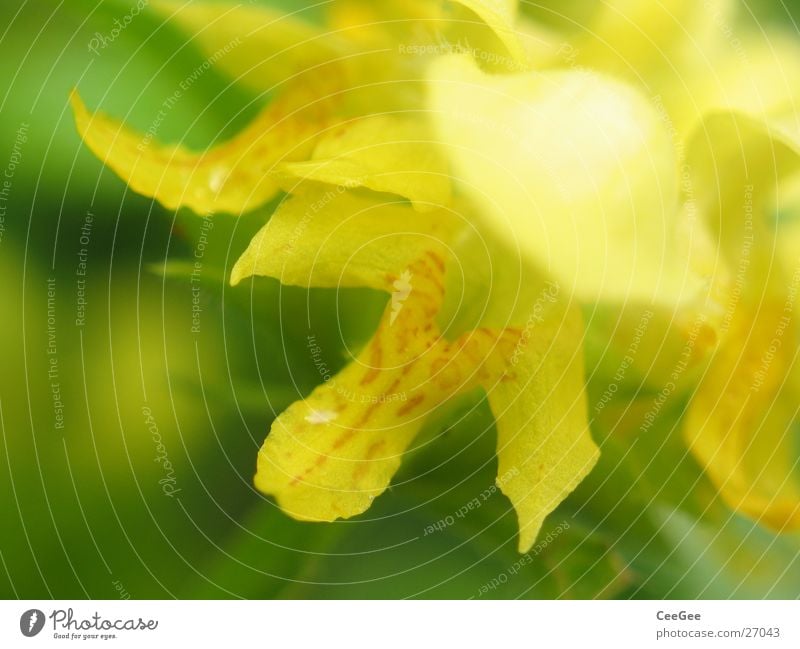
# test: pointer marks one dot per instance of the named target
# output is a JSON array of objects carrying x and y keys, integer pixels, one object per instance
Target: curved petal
[
  {"x": 692, "y": 57},
  {"x": 233, "y": 177},
  {"x": 544, "y": 448},
  {"x": 742, "y": 420},
  {"x": 264, "y": 47},
  {"x": 739, "y": 163},
  {"x": 385, "y": 153},
  {"x": 536, "y": 391},
  {"x": 500, "y": 16},
  {"x": 329, "y": 455},
  {"x": 576, "y": 170},
  {"x": 653, "y": 36},
  {"x": 760, "y": 77},
  {"x": 335, "y": 237}
]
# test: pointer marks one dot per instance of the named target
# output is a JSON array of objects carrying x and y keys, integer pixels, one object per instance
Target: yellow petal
[
  {"x": 785, "y": 209},
  {"x": 383, "y": 71},
  {"x": 653, "y": 35},
  {"x": 544, "y": 448},
  {"x": 650, "y": 345},
  {"x": 329, "y": 455},
  {"x": 741, "y": 424},
  {"x": 335, "y": 237},
  {"x": 760, "y": 76},
  {"x": 575, "y": 170},
  {"x": 691, "y": 57},
  {"x": 384, "y": 153},
  {"x": 538, "y": 399},
  {"x": 232, "y": 177},
  {"x": 500, "y": 16},
  {"x": 388, "y": 22},
  {"x": 672, "y": 50},
  {"x": 253, "y": 44},
  {"x": 742, "y": 419},
  {"x": 739, "y": 163}
]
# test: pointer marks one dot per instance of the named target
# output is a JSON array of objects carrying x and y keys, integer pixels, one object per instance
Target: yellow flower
[
  {"x": 456, "y": 156},
  {"x": 741, "y": 423},
  {"x": 726, "y": 91}
]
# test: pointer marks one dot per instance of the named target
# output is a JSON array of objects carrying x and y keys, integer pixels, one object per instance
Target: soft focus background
[{"x": 131, "y": 420}]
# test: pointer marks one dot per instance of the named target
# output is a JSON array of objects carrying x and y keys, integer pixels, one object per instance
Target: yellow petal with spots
[
  {"x": 254, "y": 44},
  {"x": 233, "y": 177},
  {"x": 384, "y": 153},
  {"x": 544, "y": 448},
  {"x": 329, "y": 455},
  {"x": 333, "y": 237},
  {"x": 575, "y": 170}
]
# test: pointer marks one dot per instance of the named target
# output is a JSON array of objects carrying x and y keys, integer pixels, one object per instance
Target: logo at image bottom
[{"x": 31, "y": 622}]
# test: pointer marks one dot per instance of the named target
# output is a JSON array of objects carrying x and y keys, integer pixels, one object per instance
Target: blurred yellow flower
[{"x": 463, "y": 158}]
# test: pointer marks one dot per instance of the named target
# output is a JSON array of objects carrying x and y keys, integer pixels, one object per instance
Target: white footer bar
[{"x": 406, "y": 625}]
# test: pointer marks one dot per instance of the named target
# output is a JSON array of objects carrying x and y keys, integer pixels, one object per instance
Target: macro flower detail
[
  {"x": 742, "y": 418},
  {"x": 460, "y": 185},
  {"x": 330, "y": 454}
]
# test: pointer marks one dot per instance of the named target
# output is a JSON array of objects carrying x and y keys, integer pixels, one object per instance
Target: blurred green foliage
[{"x": 85, "y": 513}]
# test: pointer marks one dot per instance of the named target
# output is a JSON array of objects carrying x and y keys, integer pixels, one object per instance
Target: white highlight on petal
[{"x": 321, "y": 416}]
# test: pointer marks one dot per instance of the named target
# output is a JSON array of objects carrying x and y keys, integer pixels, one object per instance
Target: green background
[{"x": 83, "y": 512}]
